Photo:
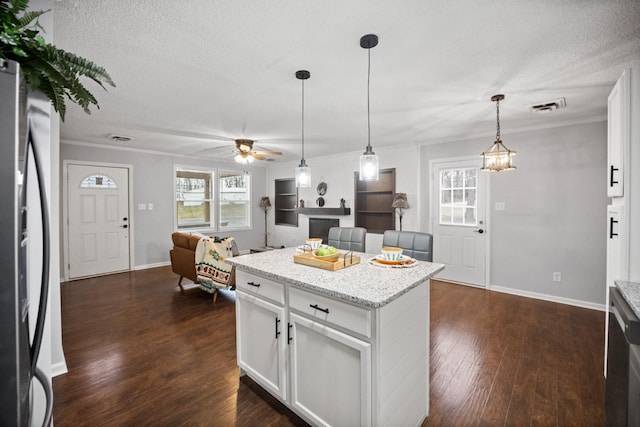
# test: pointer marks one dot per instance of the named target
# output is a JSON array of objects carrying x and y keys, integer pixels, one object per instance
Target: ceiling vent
[
  {"x": 119, "y": 138},
  {"x": 549, "y": 107}
]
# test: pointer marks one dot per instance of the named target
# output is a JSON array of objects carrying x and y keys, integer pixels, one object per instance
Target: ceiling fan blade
[
  {"x": 258, "y": 156},
  {"x": 269, "y": 153}
]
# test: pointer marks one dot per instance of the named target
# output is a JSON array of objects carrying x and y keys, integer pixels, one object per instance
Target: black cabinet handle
[
  {"x": 289, "y": 338},
  {"x": 611, "y": 171},
  {"x": 325, "y": 310},
  {"x": 257, "y": 285},
  {"x": 611, "y": 222},
  {"x": 277, "y": 331},
  {"x": 125, "y": 226}
]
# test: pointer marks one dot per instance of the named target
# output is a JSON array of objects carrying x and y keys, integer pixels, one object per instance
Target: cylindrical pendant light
[
  {"x": 303, "y": 171},
  {"x": 369, "y": 163}
]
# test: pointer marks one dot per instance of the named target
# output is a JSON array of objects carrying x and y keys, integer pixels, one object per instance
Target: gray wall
[
  {"x": 555, "y": 217},
  {"x": 153, "y": 183}
]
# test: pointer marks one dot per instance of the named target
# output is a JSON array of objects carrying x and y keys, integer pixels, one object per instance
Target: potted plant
[{"x": 53, "y": 71}]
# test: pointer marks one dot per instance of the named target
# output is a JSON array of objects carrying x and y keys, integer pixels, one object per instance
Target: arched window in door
[{"x": 98, "y": 181}]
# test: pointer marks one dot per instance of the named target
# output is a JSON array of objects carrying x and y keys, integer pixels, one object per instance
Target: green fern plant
[{"x": 53, "y": 71}]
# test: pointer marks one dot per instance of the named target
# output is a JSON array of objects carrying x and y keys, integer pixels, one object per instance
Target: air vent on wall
[
  {"x": 548, "y": 107},
  {"x": 119, "y": 138}
]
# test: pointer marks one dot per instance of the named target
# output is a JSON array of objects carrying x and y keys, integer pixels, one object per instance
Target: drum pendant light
[
  {"x": 303, "y": 171},
  {"x": 369, "y": 160},
  {"x": 498, "y": 158}
]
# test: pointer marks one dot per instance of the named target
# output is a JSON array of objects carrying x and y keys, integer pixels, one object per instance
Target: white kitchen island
[{"x": 342, "y": 348}]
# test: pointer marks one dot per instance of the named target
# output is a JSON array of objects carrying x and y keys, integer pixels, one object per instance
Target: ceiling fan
[{"x": 245, "y": 153}]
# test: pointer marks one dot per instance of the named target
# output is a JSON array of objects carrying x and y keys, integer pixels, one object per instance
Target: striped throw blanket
[{"x": 213, "y": 272}]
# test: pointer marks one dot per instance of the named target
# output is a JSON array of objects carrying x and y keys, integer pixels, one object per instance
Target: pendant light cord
[
  {"x": 368, "y": 109},
  {"x": 302, "y": 121},
  {"x": 498, "y": 120}
]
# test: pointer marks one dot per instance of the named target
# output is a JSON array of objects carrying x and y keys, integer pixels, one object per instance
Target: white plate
[{"x": 403, "y": 262}]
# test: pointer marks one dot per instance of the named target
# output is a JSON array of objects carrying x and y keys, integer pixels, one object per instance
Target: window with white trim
[
  {"x": 458, "y": 201},
  {"x": 194, "y": 199},
  {"x": 235, "y": 200}
]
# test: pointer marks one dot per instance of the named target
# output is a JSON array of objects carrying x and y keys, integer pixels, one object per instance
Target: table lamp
[{"x": 400, "y": 204}]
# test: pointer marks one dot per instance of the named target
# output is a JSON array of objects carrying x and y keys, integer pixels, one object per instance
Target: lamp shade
[
  {"x": 400, "y": 201},
  {"x": 265, "y": 203}
]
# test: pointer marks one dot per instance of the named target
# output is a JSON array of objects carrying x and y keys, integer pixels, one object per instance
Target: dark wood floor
[{"x": 140, "y": 352}]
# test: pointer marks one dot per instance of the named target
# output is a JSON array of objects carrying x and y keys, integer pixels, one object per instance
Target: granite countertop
[
  {"x": 631, "y": 293},
  {"x": 363, "y": 283}
]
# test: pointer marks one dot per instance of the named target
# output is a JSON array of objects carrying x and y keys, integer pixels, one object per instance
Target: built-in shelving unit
[
  {"x": 286, "y": 199},
  {"x": 373, "y": 201},
  {"x": 324, "y": 211}
]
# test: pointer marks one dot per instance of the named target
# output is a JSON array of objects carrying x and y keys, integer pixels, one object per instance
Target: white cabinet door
[
  {"x": 618, "y": 134},
  {"x": 330, "y": 374},
  {"x": 616, "y": 252},
  {"x": 261, "y": 342}
]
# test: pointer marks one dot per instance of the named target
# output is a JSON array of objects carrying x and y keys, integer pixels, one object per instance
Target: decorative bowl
[
  {"x": 331, "y": 257},
  {"x": 391, "y": 254},
  {"x": 314, "y": 242}
]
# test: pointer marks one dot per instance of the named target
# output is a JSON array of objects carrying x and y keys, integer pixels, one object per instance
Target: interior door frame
[
  {"x": 486, "y": 213},
  {"x": 65, "y": 210}
]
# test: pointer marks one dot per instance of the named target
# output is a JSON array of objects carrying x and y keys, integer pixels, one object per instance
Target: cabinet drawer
[
  {"x": 261, "y": 286},
  {"x": 332, "y": 311}
]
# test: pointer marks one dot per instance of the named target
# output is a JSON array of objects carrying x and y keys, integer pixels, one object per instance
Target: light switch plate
[
  {"x": 150, "y": 206},
  {"x": 142, "y": 206},
  {"x": 500, "y": 206}
]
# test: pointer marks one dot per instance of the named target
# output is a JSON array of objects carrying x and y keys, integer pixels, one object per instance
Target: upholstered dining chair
[
  {"x": 414, "y": 244},
  {"x": 349, "y": 238}
]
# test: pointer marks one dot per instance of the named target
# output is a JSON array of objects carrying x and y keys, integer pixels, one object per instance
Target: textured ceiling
[{"x": 193, "y": 75}]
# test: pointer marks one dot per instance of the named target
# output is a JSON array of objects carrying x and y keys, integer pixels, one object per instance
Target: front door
[
  {"x": 98, "y": 215},
  {"x": 458, "y": 220}
]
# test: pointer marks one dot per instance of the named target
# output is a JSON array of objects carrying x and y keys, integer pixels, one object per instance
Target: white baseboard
[
  {"x": 155, "y": 265},
  {"x": 59, "y": 369},
  {"x": 552, "y": 298}
]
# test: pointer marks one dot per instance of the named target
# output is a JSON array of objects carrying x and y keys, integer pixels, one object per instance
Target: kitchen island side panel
[{"x": 403, "y": 368}]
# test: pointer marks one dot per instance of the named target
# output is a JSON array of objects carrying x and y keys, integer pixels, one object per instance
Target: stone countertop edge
[
  {"x": 369, "y": 285},
  {"x": 631, "y": 293}
]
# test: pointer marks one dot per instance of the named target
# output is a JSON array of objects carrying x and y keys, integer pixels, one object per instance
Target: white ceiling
[{"x": 193, "y": 75}]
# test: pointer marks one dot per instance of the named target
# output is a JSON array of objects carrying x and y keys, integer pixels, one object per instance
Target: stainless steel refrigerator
[{"x": 19, "y": 347}]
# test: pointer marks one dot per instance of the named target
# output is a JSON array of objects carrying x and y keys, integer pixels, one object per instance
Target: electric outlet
[
  {"x": 150, "y": 206},
  {"x": 557, "y": 276}
]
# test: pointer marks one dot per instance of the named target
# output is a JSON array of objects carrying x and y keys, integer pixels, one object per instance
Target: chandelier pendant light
[
  {"x": 369, "y": 163},
  {"x": 303, "y": 171},
  {"x": 498, "y": 158}
]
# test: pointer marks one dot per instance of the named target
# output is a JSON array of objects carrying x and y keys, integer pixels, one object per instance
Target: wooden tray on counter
[{"x": 345, "y": 260}]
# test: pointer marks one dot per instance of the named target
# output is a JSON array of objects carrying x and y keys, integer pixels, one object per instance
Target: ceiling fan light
[{"x": 243, "y": 159}]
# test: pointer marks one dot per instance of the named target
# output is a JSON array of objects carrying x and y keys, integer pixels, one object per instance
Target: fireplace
[{"x": 319, "y": 227}]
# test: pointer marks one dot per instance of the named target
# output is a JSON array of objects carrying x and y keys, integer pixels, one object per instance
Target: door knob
[
  {"x": 479, "y": 231},
  {"x": 125, "y": 226}
]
